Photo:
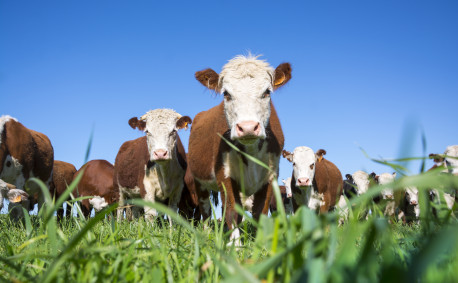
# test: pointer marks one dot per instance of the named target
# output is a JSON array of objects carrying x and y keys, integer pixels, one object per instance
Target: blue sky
[{"x": 370, "y": 74}]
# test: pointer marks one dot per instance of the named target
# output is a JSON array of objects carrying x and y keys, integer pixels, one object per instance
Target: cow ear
[
  {"x": 348, "y": 176},
  {"x": 376, "y": 178},
  {"x": 209, "y": 79},
  {"x": 183, "y": 122},
  {"x": 282, "y": 75},
  {"x": 394, "y": 174},
  {"x": 319, "y": 154},
  {"x": 135, "y": 123},
  {"x": 288, "y": 155}
]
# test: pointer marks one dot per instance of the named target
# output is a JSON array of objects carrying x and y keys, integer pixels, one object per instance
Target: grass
[{"x": 281, "y": 248}]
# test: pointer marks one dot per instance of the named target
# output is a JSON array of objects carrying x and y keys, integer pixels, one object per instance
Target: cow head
[
  {"x": 287, "y": 183},
  {"x": 304, "y": 160},
  {"x": 412, "y": 195},
  {"x": 384, "y": 179},
  {"x": 246, "y": 83},
  {"x": 361, "y": 179},
  {"x": 451, "y": 159},
  {"x": 161, "y": 127}
]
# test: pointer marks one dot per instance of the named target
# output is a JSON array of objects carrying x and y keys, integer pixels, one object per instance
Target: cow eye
[
  {"x": 227, "y": 95},
  {"x": 311, "y": 166},
  {"x": 266, "y": 93}
]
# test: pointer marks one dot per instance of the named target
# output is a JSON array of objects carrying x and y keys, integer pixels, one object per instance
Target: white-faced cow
[
  {"x": 316, "y": 182},
  {"x": 97, "y": 181},
  {"x": 247, "y": 118},
  {"x": 286, "y": 196},
  {"x": 25, "y": 153},
  {"x": 451, "y": 159},
  {"x": 62, "y": 177},
  {"x": 387, "y": 193},
  {"x": 409, "y": 207},
  {"x": 153, "y": 167}
]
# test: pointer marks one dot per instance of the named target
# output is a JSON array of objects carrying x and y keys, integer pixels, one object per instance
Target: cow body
[
  {"x": 189, "y": 203},
  {"x": 62, "y": 177},
  {"x": 97, "y": 181},
  {"x": 246, "y": 118},
  {"x": 24, "y": 154},
  {"x": 315, "y": 182},
  {"x": 153, "y": 167}
]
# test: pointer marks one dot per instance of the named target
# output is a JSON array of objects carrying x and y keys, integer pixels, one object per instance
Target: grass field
[{"x": 304, "y": 247}]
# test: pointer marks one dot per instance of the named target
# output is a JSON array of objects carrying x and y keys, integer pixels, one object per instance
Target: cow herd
[{"x": 156, "y": 168}]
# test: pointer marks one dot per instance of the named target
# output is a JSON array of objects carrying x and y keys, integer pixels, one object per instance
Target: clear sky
[{"x": 370, "y": 74}]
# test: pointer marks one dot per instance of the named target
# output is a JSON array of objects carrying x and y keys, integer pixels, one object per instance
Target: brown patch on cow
[
  {"x": 437, "y": 157},
  {"x": 62, "y": 177},
  {"x": 209, "y": 79},
  {"x": 32, "y": 149},
  {"x": 137, "y": 124},
  {"x": 189, "y": 203},
  {"x": 183, "y": 122},
  {"x": 282, "y": 75},
  {"x": 97, "y": 180}
]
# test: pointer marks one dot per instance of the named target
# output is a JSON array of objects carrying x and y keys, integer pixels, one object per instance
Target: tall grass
[{"x": 281, "y": 248}]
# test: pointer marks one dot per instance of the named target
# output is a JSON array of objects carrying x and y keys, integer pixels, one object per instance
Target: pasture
[{"x": 278, "y": 248}]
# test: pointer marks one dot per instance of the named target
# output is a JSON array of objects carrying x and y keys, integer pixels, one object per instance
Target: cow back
[
  {"x": 62, "y": 176},
  {"x": 97, "y": 180},
  {"x": 328, "y": 181}
]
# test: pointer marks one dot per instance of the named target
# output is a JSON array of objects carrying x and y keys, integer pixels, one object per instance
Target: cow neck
[{"x": 165, "y": 168}]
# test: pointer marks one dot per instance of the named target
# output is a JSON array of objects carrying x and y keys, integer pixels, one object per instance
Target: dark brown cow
[
  {"x": 189, "y": 203},
  {"x": 97, "y": 181},
  {"x": 25, "y": 153},
  {"x": 153, "y": 167},
  {"x": 62, "y": 177},
  {"x": 285, "y": 200},
  {"x": 315, "y": 182},
  {"x": 247, "y": 118}
]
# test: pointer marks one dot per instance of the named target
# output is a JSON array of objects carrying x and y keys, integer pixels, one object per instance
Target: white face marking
[
  {"x": 384, "y": 179},
  {"x": 244, "y": 82},
  {"x": 12, "y": 172},
  {"x": 3, "y": 120},
  {"x": 161, "y": 132},
  {"x": 412, "y": 195},
  {"x": 452, "y": 163},
  {"x": 287, "y": 183},
  {"x": 361, "y": 180},
  {"x": 304, "y": 160}
]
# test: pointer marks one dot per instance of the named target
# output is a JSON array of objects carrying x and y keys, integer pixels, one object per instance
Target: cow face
[
  {"x": 412, "y": 195},
  {"x": 161, "y": 127},
  {"x": 303, "y": 159},
  {"x": 287, "y": 183},
  {"x": 451, "y": 159},
  {"x": 361, "y": 179},
  {"x": 246, "y": 83},
  {"x": 384, "y": 179}
]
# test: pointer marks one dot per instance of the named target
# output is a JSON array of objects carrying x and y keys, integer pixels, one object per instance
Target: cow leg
[
  {"x": 203, "y": 197},
  {"x": 229, "y": 200},
  {"x": 327, "y": 203},
  {"x": 173, "y": 202},
  {"x": 262, "y": 200},
  {"x": 120, "y": 210}
]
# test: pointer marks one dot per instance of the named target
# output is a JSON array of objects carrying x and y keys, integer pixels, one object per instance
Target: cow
[
  {"x": 451, "y": 159},
  {"x": 153, "y": 167},
  {"x": 62, "y": 177},
  {"x": 24, "y": 154},
  {"x": 316, "y": 182},
  {"x": 97, "y": 181},
  {"x": 349, "y": 186},
  {"x": 246, "y": 118},
  {"x": 286, "y": 195},
  {"x": 409, "y": 209},
  {"x": 387, "y": 194}
]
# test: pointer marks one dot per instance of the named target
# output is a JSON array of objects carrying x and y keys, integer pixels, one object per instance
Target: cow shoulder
[
  {"x": 130, "y": 163},
  {"x": 204, "y": 142},
  {"x": 276, "y": 139}
]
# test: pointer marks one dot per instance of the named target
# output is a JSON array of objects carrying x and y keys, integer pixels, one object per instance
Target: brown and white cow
[
  {"x": 316, "y": 182},
  {"x": 25, "y": 153},
  {"x": 409, "y": 209},
  {"x": 97, "y": 181},
  {"x": 153, "y": 167},
  {"x": 62, "y": 177},
  {"x": 247, "y": 118}
]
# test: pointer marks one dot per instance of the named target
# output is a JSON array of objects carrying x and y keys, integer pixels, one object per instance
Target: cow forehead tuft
[
  {"x": 3, "y": 120},
  {"x": 246, "y": 66},
  {"x": 358, "y": 175},
  {"x": 162, "y": 116},
  {"x": 452, "y": 150}
]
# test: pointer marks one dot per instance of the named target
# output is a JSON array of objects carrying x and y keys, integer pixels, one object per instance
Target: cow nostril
[
  {"x": 240, "y": 129},
  {"x": 256, "y": 127}
]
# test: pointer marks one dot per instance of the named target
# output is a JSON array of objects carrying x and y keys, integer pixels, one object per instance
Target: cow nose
[
  {"x": 248, "y": 128},
  {"x": 289, "y": 195},
  {"x": 413, "y": 202},
  {"x": 160, "y": 154},
  {"x": 303, "y": 182}
]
